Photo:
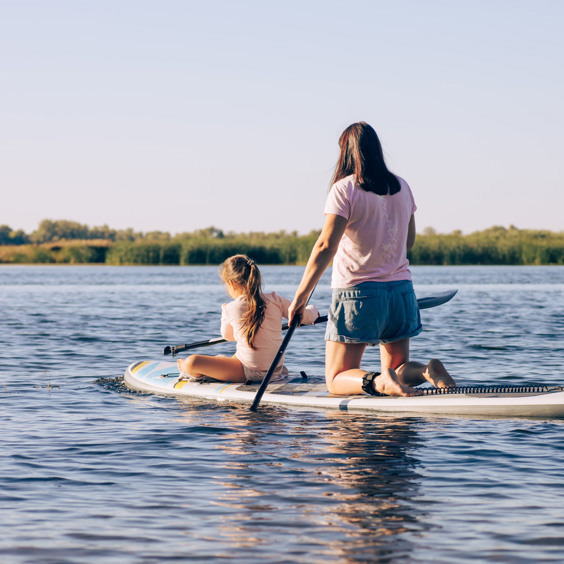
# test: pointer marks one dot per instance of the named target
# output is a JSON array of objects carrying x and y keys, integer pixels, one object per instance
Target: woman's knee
[
  {"x": 331, "y": 372},
  {"x": 336, "y": 360},
  {"x": 330, "y": 385}
]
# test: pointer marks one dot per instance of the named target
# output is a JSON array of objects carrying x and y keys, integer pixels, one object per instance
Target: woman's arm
[
  {"x": 411, "y": 232},
  {"x": 321, "y": 256}
]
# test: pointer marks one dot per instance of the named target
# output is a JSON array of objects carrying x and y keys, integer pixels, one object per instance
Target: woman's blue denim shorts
[{"x": 373, "y": 313}]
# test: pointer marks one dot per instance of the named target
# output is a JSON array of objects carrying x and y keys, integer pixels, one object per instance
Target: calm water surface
[{"x": 92, "y": 472}]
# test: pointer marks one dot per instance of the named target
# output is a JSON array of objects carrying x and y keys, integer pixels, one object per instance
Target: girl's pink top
[
  {"x": 373, "y": 247},
  {"x": 269, "y": 336}
]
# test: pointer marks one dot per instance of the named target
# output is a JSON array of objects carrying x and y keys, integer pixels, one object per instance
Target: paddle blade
[{"x": 434, "y": 301}]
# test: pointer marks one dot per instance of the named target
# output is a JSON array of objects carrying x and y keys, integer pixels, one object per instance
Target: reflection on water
[
  {"x": 346, "y": 484},
  {"x": 373, "y": 461}
]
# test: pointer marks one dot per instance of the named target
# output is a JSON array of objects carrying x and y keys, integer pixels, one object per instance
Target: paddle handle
[{"x": 175, "y": 349}]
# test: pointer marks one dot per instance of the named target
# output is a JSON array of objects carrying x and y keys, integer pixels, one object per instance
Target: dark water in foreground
[{"x": 91, "y": 472}]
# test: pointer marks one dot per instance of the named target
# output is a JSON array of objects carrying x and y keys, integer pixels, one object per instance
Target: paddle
[
  {"x": 273, "y": 366},
  {"x": 174, "y": 349},
  {"x": 424, "y": 303},
  {"x": 279, "y": 355}
]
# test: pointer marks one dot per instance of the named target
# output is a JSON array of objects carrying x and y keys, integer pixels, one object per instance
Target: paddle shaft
[
  {"x": 423, "y": 303},
  {"x": 279, "y": 355},
  {"x": 273, "y": 366}
]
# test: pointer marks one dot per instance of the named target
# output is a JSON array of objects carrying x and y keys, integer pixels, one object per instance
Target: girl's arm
[
  {"x": 321, "y": 256},
  {"x": 226, "y": 327}
]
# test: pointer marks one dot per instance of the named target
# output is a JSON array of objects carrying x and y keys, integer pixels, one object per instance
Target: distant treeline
[
  {"x": 496, "y": 245},
  {"x": 68, "y": 242}
]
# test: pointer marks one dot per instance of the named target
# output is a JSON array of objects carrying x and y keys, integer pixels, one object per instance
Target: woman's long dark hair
[{"x": 361, "y": 154}]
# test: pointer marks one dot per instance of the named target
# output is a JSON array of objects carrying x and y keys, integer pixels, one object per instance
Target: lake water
[{"x": 92, "y": 472}]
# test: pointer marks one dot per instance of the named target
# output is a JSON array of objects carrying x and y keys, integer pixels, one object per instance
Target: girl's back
[{"x": 269, "y": 335}]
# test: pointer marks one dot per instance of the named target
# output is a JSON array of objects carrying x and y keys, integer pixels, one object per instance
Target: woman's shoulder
[
  {"x": 403, "y": 183},
  {"x": 344, "y": 190},
  {"x": 404, "y": 187},
  {"x": 348, "y": 182},
  {"x": 405, "y": 195}
]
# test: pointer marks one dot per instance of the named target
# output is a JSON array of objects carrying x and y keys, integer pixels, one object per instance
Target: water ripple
[{"x": 93, "y": 472}]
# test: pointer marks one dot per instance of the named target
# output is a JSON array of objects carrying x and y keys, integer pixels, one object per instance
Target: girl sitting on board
[{"x": 253, "y": 320}]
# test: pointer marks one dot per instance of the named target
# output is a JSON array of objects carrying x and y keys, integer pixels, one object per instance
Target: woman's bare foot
[
  {"x": 387, "y": 383},
  {"x": 437, "y": 375}
]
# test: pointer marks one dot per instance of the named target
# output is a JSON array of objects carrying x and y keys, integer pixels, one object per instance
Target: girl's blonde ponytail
[{"x": 243, "y": 272}]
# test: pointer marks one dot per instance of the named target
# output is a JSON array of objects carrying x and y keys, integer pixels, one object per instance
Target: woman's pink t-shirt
[
  {"x": 269, "y": 336},
  {"x": 373, "y": 247}
]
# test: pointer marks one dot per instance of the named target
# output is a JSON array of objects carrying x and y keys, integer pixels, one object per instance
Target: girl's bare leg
[
  {"x": 226, "y": 369},
  {"x": 343, "y": 374}
]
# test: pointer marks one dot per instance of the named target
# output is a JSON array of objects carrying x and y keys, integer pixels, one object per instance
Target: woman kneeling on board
[
  {"x": 253, "y": 320},
  {"x": 369, "y": 226}
]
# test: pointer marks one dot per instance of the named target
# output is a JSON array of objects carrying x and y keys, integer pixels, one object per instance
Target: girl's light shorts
[
  {"x": 373, "y": 313},
  {"x": 258, "y": 375}
]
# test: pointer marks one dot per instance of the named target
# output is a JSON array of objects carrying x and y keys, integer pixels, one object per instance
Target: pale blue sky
[{"x": 177, "y": 115}]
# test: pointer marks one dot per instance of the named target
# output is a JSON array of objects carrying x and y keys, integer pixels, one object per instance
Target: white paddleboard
[{"x": 498, "y": 401}]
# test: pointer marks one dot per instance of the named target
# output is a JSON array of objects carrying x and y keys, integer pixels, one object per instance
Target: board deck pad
[{"x": 161, "y": 377}]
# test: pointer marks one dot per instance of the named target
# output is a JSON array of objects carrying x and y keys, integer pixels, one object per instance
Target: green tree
[
  {"x": 10, "y": 237},
  {"x": 50, "y": 231}
]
